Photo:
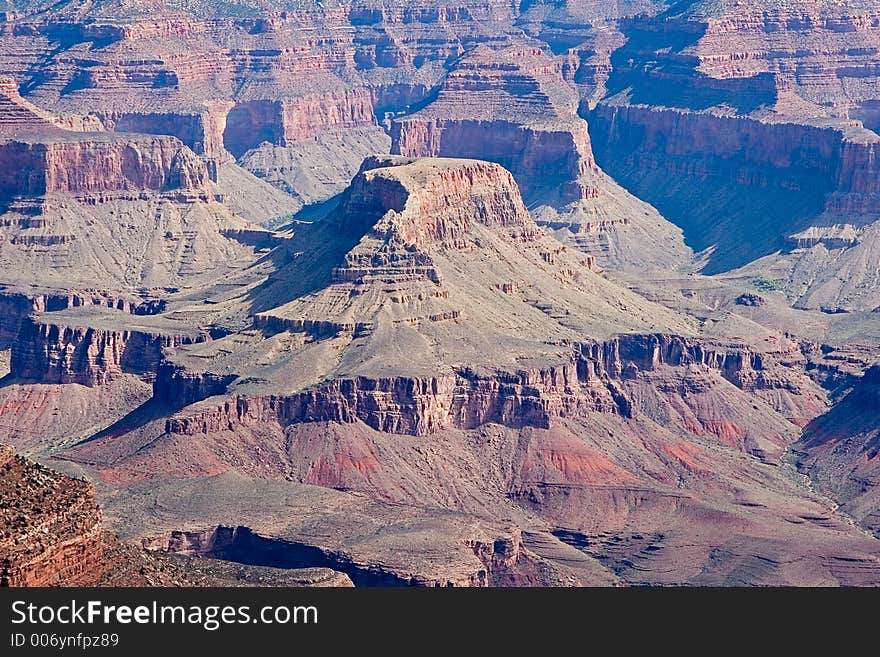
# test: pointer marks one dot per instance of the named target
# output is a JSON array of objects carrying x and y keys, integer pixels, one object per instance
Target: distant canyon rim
[{"x": 471, "y": 293}]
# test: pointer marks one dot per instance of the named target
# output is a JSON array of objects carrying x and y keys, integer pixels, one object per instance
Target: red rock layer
[
  {"x": 284, "y": 122},
  {"x": 510, "y": 107},
  {"x": 16, "y": 306},
  {"x": 52, "y": 528},
  {"x": 43, "y": 153},
  {"x": 99, "y": 165},
  {"x": 840, "y": 450},
  {"x": 445, "y": 202}
]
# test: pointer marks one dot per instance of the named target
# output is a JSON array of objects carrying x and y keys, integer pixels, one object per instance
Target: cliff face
[
  {"x": 231, "y": 84},
  {"x": 835, "y": 43},
  {"x": 499, "y": 561},
  {"x": 706, "y": 96},
  {"x": 286, "y": 122},
  {"x": 510, "y": 107},
  {"x": 201, "y": 131},
  {"x": 44, "y": 153},
  {"x": 51, "y": 529},
  {"x": 789, "y": 174},
  {"x": 16, "y": 306},
  {"x": 524, "y": 150},
  {"x": 53, "y": 353},
  {"x": 83, "y": 167},
  {"x": 17, "y": 114},
  {"x": 594, "y": 380},
  {"x": 440, "y": 202}
]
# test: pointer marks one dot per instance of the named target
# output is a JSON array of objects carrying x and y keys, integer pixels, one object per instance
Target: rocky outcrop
[
  {"x": 592, "y": 381},
  {"x": 51, "y": 529},
  {"x": 44, "y": 153},
  {"x": 397, "y": 217},
  {"x": 513, "y": 106},
  {"x": 510, "y": 107},
  {"x": 100, "y": 164},
  {"x": 499, "y": 558},
  {"x": 175, "y": 386},
  {"x": 428, "y": 201},
  {"x": 16, "y": 306},
  {"x": 285, "y": 122},
  {"x": 52, "y": 534},
  {"x": 56, "y": 353}
]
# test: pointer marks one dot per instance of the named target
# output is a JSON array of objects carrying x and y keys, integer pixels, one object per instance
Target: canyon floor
[{"x": 440, "y": 294}]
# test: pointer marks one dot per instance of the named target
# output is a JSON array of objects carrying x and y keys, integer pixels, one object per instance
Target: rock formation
[
  {"x": 52, "y": 534},
  {"x": 71, "y": 193},
  {"x": 64, "y": 352},
  {"x": 512, "y": 106},
  {"x": 706, "y": 94},
  {"x": 421, "y": 366},
  {"x": 52, "y": 528},
  {"x": 478, "y": 361}
]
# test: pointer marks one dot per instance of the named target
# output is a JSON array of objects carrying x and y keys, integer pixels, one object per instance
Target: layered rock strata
[
  {"x": 592, "y": 381},
  {"x": 51, "y": 351},
  {"x": 512, "y": 106},
  {"x": 52, "y": 528}
]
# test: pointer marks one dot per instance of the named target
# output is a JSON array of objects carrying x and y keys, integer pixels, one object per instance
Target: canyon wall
[
  {"x": 16, "y": 306},
  {"x": 52, "y": 528},
  {"x": 55, "y": 353},
  {"x": 590, "y": 382},
  {"x": 524, "y": 151},
  {"x": 201, "y": 131},
  {"x": 760, "y": 104},
  {"x": 512, "y": 107},
  {"x": 433, "y": 200},
  {"x": 99, "y": 165},
  {"x": 496, "y": 560},
  {"x": 770, "y": 179}
]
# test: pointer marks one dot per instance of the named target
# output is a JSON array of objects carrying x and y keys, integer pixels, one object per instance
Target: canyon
[{"x": 434, "y": 294}]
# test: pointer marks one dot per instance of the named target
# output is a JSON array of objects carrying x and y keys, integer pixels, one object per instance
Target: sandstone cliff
[
  {"x": 510, "y": 107},
  {"x": 705, "y": 95},
  {"x": 49, "y": 350}
]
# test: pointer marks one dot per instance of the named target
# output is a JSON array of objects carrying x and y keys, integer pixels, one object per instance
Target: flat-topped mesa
[
  {"x": 15, "y": 306},
  {"x": 427, "y": 201},
  {"x": 509, "y": 106}
]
